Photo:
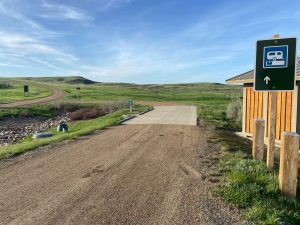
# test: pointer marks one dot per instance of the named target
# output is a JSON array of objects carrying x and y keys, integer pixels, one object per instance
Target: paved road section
[
  {"x": 129, "y": 174},
  {"x": 56, "y": 95},
  {"x": 177, "y": 115}
]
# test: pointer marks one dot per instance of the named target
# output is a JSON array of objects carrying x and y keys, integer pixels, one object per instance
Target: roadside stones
[{"x": 14, "y": 129}]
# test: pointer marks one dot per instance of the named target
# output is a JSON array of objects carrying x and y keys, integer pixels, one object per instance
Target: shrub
[
  {"x": 234, "y": 110},
  {"x": 84, "y": 114},
  {"x": 5, "y": 85},
  {"x": 67, "y": 106}
]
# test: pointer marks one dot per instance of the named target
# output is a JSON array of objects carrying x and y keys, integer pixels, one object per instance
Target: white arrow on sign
[{"x": 267, "y": 79}]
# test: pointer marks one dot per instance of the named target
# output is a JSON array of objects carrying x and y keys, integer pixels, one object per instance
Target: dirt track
[
  {"x": 57, "y": 94},
  {"x": 129, "y": 174}
]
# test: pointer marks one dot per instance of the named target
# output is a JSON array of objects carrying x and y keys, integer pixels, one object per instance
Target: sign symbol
[
  {"x": 275, "y": 56},
  {"x": 267, "y": 79}
]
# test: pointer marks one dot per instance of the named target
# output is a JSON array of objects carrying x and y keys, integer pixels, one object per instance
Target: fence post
[
  {"x": 288, "y": 168},
  {"x": 258, "y": 139}
]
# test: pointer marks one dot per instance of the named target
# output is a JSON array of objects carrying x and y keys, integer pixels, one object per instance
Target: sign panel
[
  {"x": 26, "y": 88},
  {"x": 275, "y": 65}
]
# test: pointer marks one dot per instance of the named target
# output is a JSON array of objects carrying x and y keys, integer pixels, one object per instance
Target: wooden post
[
  {"x": 272, "y": 126},
  {"x": 271, "y": 132},
  {"x": 288, "y": 170},
  {"x": 258, "y": 139}
]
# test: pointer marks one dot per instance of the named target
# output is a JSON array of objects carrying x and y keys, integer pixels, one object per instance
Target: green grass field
[
  {"x": 15, "y": 91},
  {"x": 211, "y": 99}
]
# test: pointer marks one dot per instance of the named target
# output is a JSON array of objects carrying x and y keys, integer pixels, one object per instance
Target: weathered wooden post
[
  {"x": 258, "y": 139},
  {"x": 288, "y": 169},
  {"x": 271, "y": 132}
]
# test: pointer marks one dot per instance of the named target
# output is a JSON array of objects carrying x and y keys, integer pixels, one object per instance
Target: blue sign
[{"x": 275, "y": 56}]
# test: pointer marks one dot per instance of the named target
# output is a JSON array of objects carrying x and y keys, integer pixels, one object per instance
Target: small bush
[
  {"x": 84, "y": 114},
  {"x": 235, "y": 110},
  {"x": 84, "y": 111},
  {"x": 5, "y": 85}
]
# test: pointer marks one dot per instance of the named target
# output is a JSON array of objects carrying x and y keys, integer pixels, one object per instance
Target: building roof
[{"x": 247, "y": 77}]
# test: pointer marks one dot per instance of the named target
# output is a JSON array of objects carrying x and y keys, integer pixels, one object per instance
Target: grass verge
[
  {"x": 46, "y": 110},
  {"x": 251, "y": 187},
  {"x": 76, "y": 129}
]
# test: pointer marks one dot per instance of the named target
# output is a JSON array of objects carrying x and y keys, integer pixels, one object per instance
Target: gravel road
[
  {"x": 129, "y": 174},
  {"x": 56, "y": 95}
]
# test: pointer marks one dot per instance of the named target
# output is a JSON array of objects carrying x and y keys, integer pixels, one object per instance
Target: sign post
[
  {"x": 26, "y": 90},
  {"x": 130, "y": 103},
  {"x": 77, "y": 91},
  {"x": 275, "y": 67}
]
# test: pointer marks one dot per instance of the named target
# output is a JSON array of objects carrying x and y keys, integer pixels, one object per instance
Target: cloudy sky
[{"x": 139, "y": 41}]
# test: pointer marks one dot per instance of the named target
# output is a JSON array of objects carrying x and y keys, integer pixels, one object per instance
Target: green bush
[{"x": 235, "y": 110}]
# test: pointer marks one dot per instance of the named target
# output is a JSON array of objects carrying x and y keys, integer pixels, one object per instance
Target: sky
[{"x": 139, "y": 41}]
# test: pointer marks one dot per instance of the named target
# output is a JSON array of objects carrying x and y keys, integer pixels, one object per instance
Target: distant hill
[{"x": 67, "y": 80}]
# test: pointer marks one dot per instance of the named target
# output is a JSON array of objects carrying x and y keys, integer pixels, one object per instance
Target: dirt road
[
  {"x": 57, "y": 94},
  {"x": 129, "y": 174}
]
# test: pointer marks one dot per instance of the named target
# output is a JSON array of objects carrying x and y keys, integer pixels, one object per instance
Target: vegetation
[
  {"x": 5, "y": 85},
  {"x": 251, "y": 187},
  {"x": 14, "y": 91},
  {"x": 67, "y": 80},
  {"x": 46, "y": 110},
  {"x": 54, "y": 109},
  {"x": 235, "y": 111},
  {"x": 96, "y": 111},
  {"x": 76, "y": 129},
  {"x": 211, "y": 99}
]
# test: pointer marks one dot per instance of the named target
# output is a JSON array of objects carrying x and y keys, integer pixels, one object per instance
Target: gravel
[
  {"x": 15, "y": 129},
  {"x": 129, "y": 174}
]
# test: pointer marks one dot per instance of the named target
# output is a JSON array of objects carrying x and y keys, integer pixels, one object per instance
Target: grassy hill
[{"x": 67, "y": 80}]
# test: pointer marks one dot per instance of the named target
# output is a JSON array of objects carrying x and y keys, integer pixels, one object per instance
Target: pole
[
  {"x": 258, "y": 139},
  {"x": 272, "y": 127},
  {"x": 130, "y": 105},
  {"x": 271, "y": 132},
  {"x": 288, "y": 169}
]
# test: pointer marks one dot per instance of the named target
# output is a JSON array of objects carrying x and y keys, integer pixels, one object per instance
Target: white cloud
[{"x": 63, "y": 12}]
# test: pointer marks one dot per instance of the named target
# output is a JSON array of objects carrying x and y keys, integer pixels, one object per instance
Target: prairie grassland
[
  {"x": 14, "y": 92},
  {"x": 210, "y": 98}
]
